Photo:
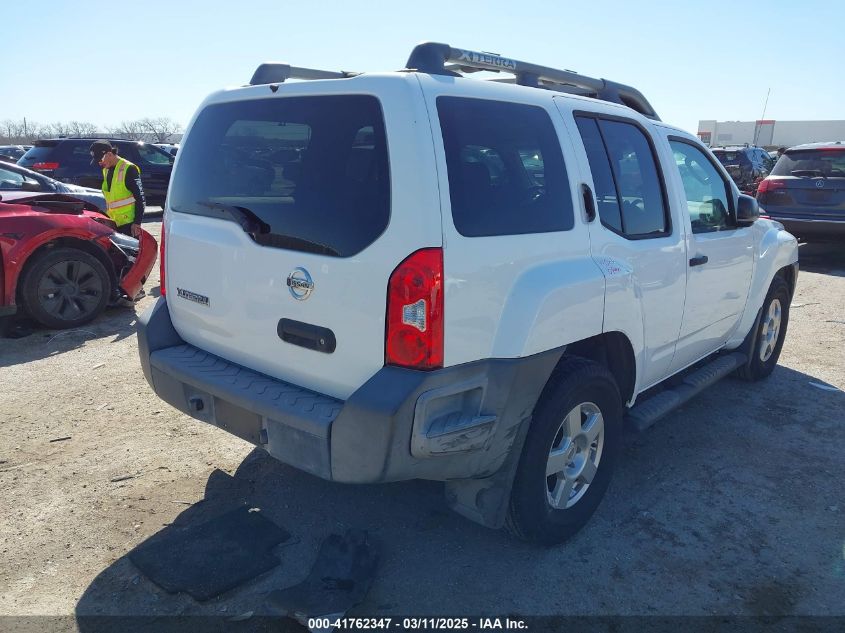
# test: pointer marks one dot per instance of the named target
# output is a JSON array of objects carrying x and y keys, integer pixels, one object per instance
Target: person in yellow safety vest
[{"x": 121, "y": 188}]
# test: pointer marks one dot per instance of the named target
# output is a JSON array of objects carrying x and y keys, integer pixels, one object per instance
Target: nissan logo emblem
[
  {"x": 820, "y": 183},
  {"x": 300, "y": 284}
]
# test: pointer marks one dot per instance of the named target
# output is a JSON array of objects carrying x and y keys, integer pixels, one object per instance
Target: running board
[{"x": 646, "y": 413}]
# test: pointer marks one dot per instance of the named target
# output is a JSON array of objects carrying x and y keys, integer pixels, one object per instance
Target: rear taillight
[
  {"x": 414, "y": 333},
  {"x": 770, "y": 184},
  {"x": 161, "y": 262},
  {"x": 44, "y": 166}
]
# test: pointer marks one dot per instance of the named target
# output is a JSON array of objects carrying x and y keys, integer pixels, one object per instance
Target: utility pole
[{"x": 759, "y": 126}]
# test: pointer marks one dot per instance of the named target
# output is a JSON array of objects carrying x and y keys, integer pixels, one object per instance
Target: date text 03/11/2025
[{"x": 414, "y": 624}]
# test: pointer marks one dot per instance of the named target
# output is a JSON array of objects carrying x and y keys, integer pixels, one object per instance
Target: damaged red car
[{"x": 62, "y": 261}]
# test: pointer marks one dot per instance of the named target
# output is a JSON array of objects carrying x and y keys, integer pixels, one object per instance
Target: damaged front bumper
[{"x": 133, "y": 260}]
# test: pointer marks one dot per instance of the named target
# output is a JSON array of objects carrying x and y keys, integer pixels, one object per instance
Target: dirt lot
[{"x": 733, "y": 505}]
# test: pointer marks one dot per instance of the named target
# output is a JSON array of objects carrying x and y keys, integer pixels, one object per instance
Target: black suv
[
  {"x": 69, "y": 160},
  {"x": 746, "y": 165}
]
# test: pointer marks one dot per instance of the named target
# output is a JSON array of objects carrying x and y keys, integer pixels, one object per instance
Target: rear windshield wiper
[
  {"x": 255, "y": 226},
  {"x": 247, "y": 219},
  {"x": 809, "y": 173}
]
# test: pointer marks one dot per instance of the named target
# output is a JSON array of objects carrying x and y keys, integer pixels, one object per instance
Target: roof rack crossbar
[
  {"x": 278, "y": 72},
  {"x": 441, "y": 59}
]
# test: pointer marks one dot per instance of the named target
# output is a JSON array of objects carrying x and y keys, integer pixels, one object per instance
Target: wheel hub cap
[
  {"x": 69, "y": 290},
  {"x": 769, "y": 330},
  {"x": 574, "y": 455}
]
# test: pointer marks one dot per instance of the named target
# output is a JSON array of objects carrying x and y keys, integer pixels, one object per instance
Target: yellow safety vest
[{"x": 119, "y": 200}]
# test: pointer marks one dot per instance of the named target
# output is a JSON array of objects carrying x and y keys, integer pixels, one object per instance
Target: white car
[{"x": 387, "y": 276}]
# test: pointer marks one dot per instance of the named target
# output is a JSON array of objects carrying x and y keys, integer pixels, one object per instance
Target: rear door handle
[
  {"x": 698, "y": 260},
  {"x": 589, "y": 202}
]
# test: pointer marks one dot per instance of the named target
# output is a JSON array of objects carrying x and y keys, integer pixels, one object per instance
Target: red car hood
[{"x": 56, "y": 203}]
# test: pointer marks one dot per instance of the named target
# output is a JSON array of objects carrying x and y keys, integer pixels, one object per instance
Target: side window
[
  {"x": 708, "y": 196},
  {"x": 10, "y": 179},
  {"x": 80, "y": 155},
  {"x": 608, "y": 203},
  {"x": 129, "y": 151},
  {"x": 505, "y": 167},
  {"x": 619, "y": 153},
  {"x": 154, "y": 155}
]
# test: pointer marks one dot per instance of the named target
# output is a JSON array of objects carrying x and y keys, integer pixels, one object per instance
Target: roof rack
[
  {"x": 278, "y": 72},
  {"x": 441, "y": 59}
]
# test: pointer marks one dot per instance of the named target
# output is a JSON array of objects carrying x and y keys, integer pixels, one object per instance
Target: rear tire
[
  {"x": 569, "y": 454},
  {"x": 767, "y": 339},
  {"x": 65, "y": 288}
]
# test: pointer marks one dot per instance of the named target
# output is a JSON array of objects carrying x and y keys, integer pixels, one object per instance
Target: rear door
[
  {"x": 287, "y": 213},
  {"x": 637, "y": 242}
]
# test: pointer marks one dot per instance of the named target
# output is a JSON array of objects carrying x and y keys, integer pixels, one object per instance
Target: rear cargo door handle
[
  {"x": 698, "y": 260},
  {"x": 306, "y": 335}
]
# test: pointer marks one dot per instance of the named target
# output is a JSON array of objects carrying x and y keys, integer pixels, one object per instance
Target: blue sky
[{"x": 69, "y": 60}]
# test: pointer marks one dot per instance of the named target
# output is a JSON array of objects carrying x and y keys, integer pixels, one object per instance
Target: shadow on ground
[
  {"x": 823, "y": 258},
  {"x": 23, "y": 340},
  {"x": 698, "y": 521}
]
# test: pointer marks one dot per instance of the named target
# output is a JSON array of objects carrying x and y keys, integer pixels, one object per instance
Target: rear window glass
[
  {"x": 506, "y": 170},
  {"x": 39, "y": 153},
  {"x": 728, "y": 158},
  {"x": 314, "y": 170},
  {"x": 817, "y": 162}
]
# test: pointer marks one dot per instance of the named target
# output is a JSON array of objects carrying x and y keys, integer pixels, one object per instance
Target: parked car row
[
  {"x": 68, "y": 160},
  {"x": 11, "y": 153}
]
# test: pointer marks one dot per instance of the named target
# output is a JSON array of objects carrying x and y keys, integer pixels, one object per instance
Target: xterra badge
[
  {"x": 300, "y": 284},
  {"x": 193, "y": 296}
]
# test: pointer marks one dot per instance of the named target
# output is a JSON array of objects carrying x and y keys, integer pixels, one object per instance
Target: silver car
[{"x": 14, "y": 179}]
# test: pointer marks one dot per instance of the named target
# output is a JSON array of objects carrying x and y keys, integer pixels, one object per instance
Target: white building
[{"x": 769, "y": 133}]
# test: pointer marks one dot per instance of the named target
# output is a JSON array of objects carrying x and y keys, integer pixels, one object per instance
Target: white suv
[{"x": 414, "y": 274}]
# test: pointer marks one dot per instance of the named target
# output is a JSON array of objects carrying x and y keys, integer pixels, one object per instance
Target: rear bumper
[
  {"x": 812, "y": 229},
  {"x": 455, "y": 423}
]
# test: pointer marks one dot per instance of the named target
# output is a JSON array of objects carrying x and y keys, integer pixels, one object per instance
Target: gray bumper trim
[
  {"x": 300, "y": 408},
  {"x": 456, "y": 423}
]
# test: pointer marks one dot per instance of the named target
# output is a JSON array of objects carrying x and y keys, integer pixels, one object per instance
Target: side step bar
[{"x": 646, "y": 413}]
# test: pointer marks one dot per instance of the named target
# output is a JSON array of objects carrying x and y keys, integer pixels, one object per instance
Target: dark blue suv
[
  {"x": 69, "y": 160},
  {"x": 806, "y": 191}
]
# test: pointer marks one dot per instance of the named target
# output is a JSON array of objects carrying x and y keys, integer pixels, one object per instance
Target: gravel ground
[{"x": 733, "y": 505}]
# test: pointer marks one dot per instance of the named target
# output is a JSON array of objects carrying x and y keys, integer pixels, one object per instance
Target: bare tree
[
  {"x": 57, "y": 129},
  {"x": 11, "y": 131},
  {"x": 160, "y": 128},
  {"x": 130, "y": 130},
  {"x": 35, "y": 130},
  {"x": 81, "y": 128}
]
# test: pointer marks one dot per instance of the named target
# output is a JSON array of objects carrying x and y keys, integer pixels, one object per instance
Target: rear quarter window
[
  {"x": 314, "y": 169},
  {"x": 505, "y": 167}
]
